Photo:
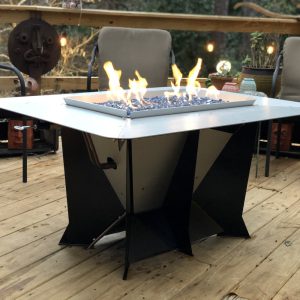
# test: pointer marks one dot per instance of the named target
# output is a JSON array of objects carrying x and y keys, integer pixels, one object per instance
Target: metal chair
[
  {"x": 147, "y": 50},
  {"x": 288, "y": 60},
  {"x": 9, "y": 115}
]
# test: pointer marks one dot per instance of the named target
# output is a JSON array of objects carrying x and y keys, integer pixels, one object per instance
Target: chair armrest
[
  {"x": 19, "y": 75},
  {"x": 275, "y": 75},
  {"x": 90, "y": 68}
]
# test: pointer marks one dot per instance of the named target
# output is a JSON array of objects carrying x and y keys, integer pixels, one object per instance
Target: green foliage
[{"x": 259, "y": 56}]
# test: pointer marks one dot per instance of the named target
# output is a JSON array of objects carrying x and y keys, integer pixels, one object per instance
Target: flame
[
  {"x": 193, "y": 85},
  {"x": 177, "y": 74},
  {"x": 114, "y": 76},
  {"x": 176, "y": 87},
  {"x": 138, "y": 87}
]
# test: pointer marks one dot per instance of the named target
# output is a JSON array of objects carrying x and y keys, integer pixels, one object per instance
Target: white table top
[{"x": 52, "y": 108}]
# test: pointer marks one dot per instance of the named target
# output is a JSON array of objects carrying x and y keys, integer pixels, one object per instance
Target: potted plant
[
  {"x": 222, "y": 75},
  {"x": 260, "y": 64}
]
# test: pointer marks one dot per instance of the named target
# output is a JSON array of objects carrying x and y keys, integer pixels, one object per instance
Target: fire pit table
[{"x": 174, "y": 178}]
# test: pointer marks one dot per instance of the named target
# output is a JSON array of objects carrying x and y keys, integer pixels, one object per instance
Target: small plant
[
  {"x": 222, "y": 75},
  {"x": 264, "y": 50},
  {"x": 223, "y": 68}
]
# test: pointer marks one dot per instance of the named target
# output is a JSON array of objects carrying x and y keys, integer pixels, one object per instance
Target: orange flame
[
  {"x": 114, "y": 76},
  {"x": 138, "y": 87},
  {"x": 193, "y": 85}
]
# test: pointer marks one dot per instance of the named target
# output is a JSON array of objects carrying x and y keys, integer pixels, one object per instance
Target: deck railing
[{"x": 99, "y": 18}]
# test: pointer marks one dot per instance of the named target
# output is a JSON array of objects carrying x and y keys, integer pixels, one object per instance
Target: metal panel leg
[
  {"x": 129, "y": 206},
  {"x": 221, "y": 193}
]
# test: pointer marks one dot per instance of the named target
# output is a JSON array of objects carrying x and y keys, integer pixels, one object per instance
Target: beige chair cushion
[
  {"x": 145, "y": 50},
  {"x": 290, "y": 78}
]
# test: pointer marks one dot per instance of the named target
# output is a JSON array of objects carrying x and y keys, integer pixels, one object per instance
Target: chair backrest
[
  {"x": 290, "y": 76},
  {"x": 130, "y": 49}
]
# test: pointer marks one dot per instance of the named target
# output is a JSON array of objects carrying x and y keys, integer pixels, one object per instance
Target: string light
[
  {"x": 270, "y": 49},
  {"x": 210, "y": 47},
  {"x": 63, "y": 41}
]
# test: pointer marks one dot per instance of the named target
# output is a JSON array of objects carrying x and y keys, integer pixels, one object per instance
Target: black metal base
[
  {"x": 214, "y": 208},
  {"x": 222, "y": 192},
  {"x": 92, "y": 202}
]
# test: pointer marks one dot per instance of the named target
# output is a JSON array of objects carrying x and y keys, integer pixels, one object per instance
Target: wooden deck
[{"x": 32, "y": 265}]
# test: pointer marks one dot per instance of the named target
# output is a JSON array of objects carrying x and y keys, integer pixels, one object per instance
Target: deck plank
[
  {"x": 32, "y": 265},
  {"x": 209, "y": 252},
  {"x": 33, "y": 232},
  {"x": 33, "y": 216},
  {"x": 265, "y": 281},
  {"x": 221, "y": 279},
  {"x": 291, "y": 290}
]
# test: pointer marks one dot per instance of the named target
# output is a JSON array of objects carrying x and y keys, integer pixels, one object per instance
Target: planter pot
[
  {"x": 231, "y": 87},
  {"x": 15, "y": 137},
  {"x": 285, "y": 137},
  {"x": 219, "y": 81},
  {"x": 262, "y": 77}
]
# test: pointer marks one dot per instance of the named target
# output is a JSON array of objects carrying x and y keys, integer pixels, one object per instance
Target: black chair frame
[
  {"x": 269, "y": 132},
  {"x": 23, "y": 128}
]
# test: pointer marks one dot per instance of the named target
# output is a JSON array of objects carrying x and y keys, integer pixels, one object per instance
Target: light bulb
[
  {"x": 270, "y": 49},
  {"x": 63, "y": 41},
  {"x": 210, "y": 47}
]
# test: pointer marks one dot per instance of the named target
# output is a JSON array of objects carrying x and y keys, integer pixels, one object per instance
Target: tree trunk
[{"x": 221, "y": 8}]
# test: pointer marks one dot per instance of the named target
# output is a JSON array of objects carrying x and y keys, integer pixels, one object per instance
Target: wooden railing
[
  {"x": 64, "y": 83},
  {"x": 99, "y": 18}
]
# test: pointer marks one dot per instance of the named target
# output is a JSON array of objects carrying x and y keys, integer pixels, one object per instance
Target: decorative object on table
[
  {"x": 155, "y": 103},
  {"x": 260, "y": 65},
  {"x": 222, "y": 75},
  {"x": 231, "y": 87},
  {"x": 139, "y": 101},
  {"x": 248, "y": 84}
]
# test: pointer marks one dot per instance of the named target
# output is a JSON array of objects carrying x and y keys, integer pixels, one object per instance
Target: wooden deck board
[
  {"x": 265, "y": 281},
  {"x": 32, "y": 265}
]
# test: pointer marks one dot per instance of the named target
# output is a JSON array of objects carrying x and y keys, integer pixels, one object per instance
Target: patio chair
[
  {"x": 146, "y": 50},
  {"x": 6, "y": 114},
  {"x": 288, "y": 60},
  {"x": 23, "y": 124}
]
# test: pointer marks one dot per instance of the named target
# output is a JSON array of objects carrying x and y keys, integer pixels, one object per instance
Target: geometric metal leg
[
  {"x": 178, "y": 202},
  {"x": 167, "y": 227},
  {"x": 129, "y": 206},
  {"x": 221, "y": 194},
  {"x": 92, "y": 203}
]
